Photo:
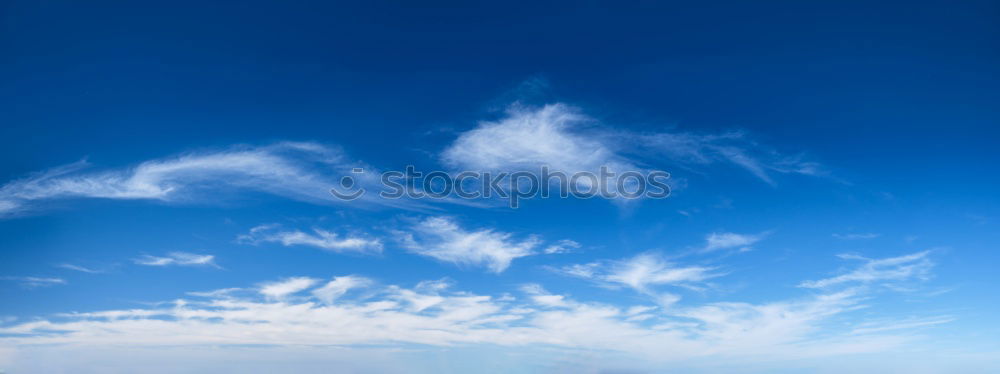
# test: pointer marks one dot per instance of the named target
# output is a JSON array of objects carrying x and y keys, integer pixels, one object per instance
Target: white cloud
[
  {"x": 562, "y": 138},
  {"x": 541, "y": 297},
  {"x": 178, "y": 259},
  {"x": 79, "y": 268},
  {"x": 35, "y": 282},
  {"x": 910, "y": 323},
  {"x": 7, "y": 206},
  {"x": 726, "y": 240},
  {"x": 915, "y": 265},
  {"x": 529, "y": 138},
  {"x": 285, "y": 287},
  {"x": 756, "y": 327},
  {"x": 337, "y": 287},
  {"x": 319, "y": 238},
  {"x": 648, "y": 269},
  {"x": 732, "y": 147},
  {"x": 641, "y": 273},
  {"x": 300, "y": 171},
  {"x": 222, "y": 292},
  {"x": 562, "y": 246},
  {"x": 581, "y": 270},
  {"x": 431, "y": 316},
  {"x": 443, "y": 239}
]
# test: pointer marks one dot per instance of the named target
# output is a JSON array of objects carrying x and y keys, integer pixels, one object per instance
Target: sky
[{"x": 166, "y": 167}]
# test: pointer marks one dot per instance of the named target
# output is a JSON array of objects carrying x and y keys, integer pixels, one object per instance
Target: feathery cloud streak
[
  {"x": 177, "y": 259},
  {"x": 443, "y": 239},
  {"x": 641, "y": 273},
  {"x": 296, "y": 170},
  {"x": 319, "y": 238},
  {"x": 726, "y": 240},
  {"x": 563, "y": 138},
  {"x": 915, "y": 265},
  {"x": 35, "y": 282}
]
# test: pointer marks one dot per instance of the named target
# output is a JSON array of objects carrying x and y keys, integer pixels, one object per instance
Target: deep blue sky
[{"x": 896, "y": 101}]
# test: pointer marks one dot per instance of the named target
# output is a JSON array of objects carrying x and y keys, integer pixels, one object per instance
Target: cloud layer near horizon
[{"x": 355, "y": 310}]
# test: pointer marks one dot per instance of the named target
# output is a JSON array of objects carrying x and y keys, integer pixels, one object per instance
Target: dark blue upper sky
[{"x": 862, "y": 83}]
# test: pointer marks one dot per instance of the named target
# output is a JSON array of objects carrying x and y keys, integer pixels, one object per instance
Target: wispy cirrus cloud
[
  {"x": 219, "y": 293},
  {"x": 298, "y": 170},
  {"x": 528, "y": 138},
  {"x": 177, "y": 259},
  {"x": 443, "y": 239},
  {"x": 562, "y": 246},
  {"x": 563, "y": 138},
  {"x": 914, "y": 265},
  {"x": 539, "y": 296},
  {"x": 642, "y": 273},
  {"x": 645, "y": 270},
  {"x": 339, "y": 286},
  {"x": 728, "y": 240},
  {"x": 318, "y": 238},
  {"x": 82, "y": 269},
  {"x": 904, "y": 324},
  {"x": 286, "y": 287},
  {"x": 35, "y": 282},
  {"x": 735, "y": 148}
]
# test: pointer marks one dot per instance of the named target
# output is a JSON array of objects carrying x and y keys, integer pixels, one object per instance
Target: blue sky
[{"x": 164, "y": 177}]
